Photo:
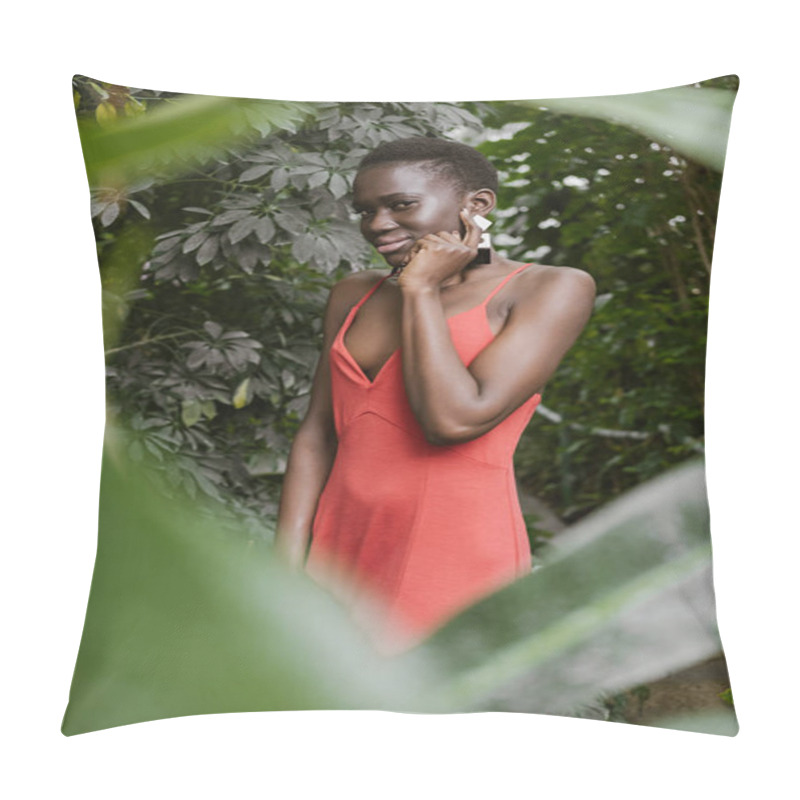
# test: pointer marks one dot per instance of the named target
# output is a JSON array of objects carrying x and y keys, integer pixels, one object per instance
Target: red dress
[{"x": 407, "y": 533}]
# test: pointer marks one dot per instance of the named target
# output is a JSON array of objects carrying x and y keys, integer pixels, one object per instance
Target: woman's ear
[{"x": 481, "y": 202}]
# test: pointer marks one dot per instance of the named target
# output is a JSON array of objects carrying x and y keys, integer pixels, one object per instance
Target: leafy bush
[{"x": 215, "y": 278}]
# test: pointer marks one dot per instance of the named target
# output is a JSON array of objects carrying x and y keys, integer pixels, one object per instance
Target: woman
[{"x": 401, "y": 473}]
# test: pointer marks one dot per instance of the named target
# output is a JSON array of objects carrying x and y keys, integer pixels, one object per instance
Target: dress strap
[
  {"x": 369, "y": 294},
  {"x": 504, "y": 282}
]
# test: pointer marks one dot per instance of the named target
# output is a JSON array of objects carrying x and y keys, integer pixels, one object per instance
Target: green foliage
[
  {"x": 250, "y": 241},
  {"x": 719, "y": 723},
  {"x": 214, "y": 278},
  {"x": 622, "y": 597},
  {"x": 215, "y": 267},
  {"x": 184, "y": 618},
  {"x": 727, "y": 697},
  {"x": 589, "y": 193},
  {"x": 126, "y": 141},
  {"x": 618, "y": 705},
  {"x": 538, "y": 537},
  {"x": 695, "y": 123}
]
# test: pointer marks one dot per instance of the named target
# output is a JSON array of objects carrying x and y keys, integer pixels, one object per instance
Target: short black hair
[{"x": 466, "y": 168}]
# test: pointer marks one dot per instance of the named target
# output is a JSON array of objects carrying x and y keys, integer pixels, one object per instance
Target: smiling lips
[{"x": 391, "y": 246}]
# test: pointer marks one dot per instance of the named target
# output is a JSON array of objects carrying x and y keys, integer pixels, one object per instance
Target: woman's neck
[{"x": 475, "y": 271}]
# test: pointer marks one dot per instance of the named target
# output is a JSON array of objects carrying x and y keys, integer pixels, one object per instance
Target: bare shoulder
[
  {"x": 346, "y": 292},
  {"x": 541, "y": 283},
  {"x": 358, "y": 283},
  {"x": 539, "y": 276},
  {"x": 551, "y": 296}
]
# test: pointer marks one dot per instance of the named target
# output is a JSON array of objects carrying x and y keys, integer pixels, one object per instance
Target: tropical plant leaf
[
  {"x": 694, "y": 122},
  {"x": 177, "y": 136},
  {"x": 184, "y": 619},
  {"x": 722, "y": 723},
  {"x": 242, "y": 394},
  {"x": 625, "y": 597}
]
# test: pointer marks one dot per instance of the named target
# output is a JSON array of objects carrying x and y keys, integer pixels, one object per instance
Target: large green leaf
[
  {"x": 625, "y": 598},
  {"x": 184, "y": 620},
  {"x": 177, "y": 136},
  {"x": 722, "y": 723},
  {"x": 695, "y": 122}
]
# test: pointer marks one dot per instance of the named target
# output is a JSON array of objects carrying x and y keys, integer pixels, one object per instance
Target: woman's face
[{"x": 400, "y": 203}]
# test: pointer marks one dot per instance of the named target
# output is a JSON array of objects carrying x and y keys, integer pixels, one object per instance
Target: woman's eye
[{"x": 400, "y": 205}]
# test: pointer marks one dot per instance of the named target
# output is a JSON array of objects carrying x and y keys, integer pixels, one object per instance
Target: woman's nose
[{"x": 380, "y": 221}]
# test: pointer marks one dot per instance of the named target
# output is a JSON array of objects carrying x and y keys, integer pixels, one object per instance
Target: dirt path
[{"x": 692, "y": 690}]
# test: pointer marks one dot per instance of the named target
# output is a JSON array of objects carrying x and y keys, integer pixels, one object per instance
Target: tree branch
[
  {"x": 144, "y": 342},
  {"x": 612, "y": 433}
]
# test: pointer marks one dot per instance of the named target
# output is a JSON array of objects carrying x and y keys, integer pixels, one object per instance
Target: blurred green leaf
[
  {"x": 581, "y": 623},
  {"x": 191, "y": 411},
  {"x": 721, "y": 723},
  {"x": 177, "y": 136},
  {"x": 184, "y": 619},
  {"x": 693, "y": 121},
  {"x": 623, "y": 597},
  {"x": 242, "y": 395}
]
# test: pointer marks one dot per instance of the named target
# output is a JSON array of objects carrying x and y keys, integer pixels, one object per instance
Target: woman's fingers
[
  {"x": 445, "y": 237},
  {"x": 435, "y": 238},
  {"x": 447, "y": 241},
  {"x": 473, "y": 233}
]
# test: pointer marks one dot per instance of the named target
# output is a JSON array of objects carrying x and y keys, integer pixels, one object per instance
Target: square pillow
[{"x": 221, "y": 225}]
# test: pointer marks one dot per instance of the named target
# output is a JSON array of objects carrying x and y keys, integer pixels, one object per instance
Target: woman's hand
[{"x": 438, "y": 256}]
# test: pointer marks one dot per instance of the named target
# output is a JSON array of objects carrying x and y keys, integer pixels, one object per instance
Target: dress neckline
[{"x": 351, "y": 315}]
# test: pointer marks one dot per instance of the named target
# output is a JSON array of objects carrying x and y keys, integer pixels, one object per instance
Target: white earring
[{"x": 485, "y": 244}]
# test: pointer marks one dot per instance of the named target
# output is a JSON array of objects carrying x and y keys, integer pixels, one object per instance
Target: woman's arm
[
  {"x": 309, "y": 465},
  {"x": 314, "y": 446},
  {"x": 454, "y": 403},
  {"x": 307, "y": 469},
  {"x": 312, "y": 453}
]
